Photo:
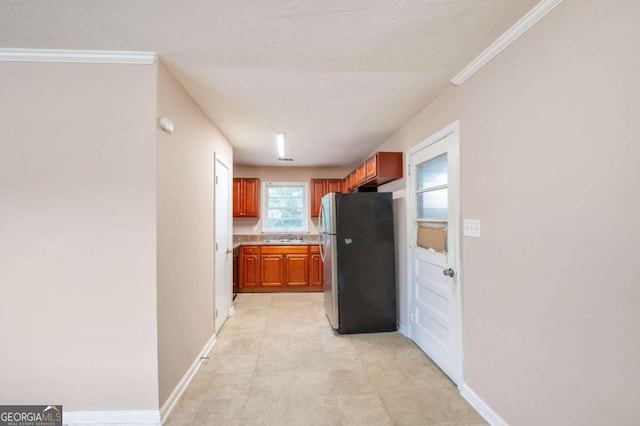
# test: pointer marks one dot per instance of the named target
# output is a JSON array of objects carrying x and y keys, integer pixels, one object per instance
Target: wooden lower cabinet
[
  {"x": 272, "y": 268},
  {"x": 249, "y": 267},
  {"x": 296, "y": 269},
  {"x": 315, "y": 270}
]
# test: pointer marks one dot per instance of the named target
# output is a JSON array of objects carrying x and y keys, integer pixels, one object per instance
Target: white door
[
  {"x": 223, "y": 290},
  {"x": 433, "y": 200}
]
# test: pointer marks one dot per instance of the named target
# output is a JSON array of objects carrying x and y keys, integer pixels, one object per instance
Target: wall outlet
[{"x": 472, "y": 228}]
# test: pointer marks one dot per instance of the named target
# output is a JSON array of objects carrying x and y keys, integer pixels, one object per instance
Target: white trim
[
  {"x": 398, "y": 194},
  {"x": 481, "y": 407},
  {"x": 92, "y": 56},
  {"x": 133, "y": 417},
  {"x": 402, "y": 329},
  {"x": 508, "y": 37},
  {"x": 306, "y": 203},
  {"x": 167, "y": 407}
]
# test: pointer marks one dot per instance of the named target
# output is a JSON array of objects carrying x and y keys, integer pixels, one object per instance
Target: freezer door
[
  {"x": 330, "y": 280},
  {"x": 327, "y": 214}
]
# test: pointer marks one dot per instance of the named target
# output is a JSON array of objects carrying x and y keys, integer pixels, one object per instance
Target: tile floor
[{"x": 276, "y": 361}]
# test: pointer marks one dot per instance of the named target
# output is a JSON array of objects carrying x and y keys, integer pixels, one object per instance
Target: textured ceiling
[{"x": 337, "y": 76}]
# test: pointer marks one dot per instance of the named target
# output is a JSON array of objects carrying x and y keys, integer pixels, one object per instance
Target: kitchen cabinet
[
  {"x": 296, "y": 269},
  {"x": 318, "y": 189},
  {"x": 246, "y": 197},
  {"x": 249, "y": 267},
  {"x": 380, "y": 168},
  {"x": 273, "y": 268},
  {"x": 315, "y": 267},
  {"x": 361, "y": 173}
]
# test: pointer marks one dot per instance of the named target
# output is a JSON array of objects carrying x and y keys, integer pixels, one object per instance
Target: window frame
[{"x": 305, "y": 208}]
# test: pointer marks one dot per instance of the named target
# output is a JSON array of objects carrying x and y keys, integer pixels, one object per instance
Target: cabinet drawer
[
  {"x": 285, "y": 249},
  {"x": 250, "y": 249},
  {"x": 314, "y": 249}
]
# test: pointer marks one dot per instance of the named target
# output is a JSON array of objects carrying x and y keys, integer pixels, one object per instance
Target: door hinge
[
  {"x": 409, "y": 169},
  {"x": 216, "y": 180},
  {"x": 216, "y": 313},
  {"x": 216, "y": 246}
]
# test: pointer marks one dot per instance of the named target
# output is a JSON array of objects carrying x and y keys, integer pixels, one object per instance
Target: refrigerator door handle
[
  {"x": 320, "y": 220},
  {"x": 321, "y": 230}
]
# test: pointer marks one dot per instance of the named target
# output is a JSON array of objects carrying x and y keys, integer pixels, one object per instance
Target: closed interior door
[
  {"x": 223, "y": 285},
  {"x": 433, "y": 218}
]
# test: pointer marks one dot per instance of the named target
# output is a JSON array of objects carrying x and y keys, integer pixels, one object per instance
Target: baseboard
[
  {"x": 402, "y": 329},
  {"x": 133, "y": 417},
  {"x": 481, "y": 407},
  {"x": 170, "y": 403}
]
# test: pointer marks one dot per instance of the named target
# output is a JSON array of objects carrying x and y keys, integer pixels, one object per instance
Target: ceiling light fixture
[{"x": 280, "y": 143}]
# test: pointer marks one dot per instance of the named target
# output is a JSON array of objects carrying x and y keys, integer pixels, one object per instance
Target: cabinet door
[
  {"x": 251, "y": 188},
  {"x": 371, "y": 167},
  {"x": 316, "y": 193},
  {"x": 272, "y": 270},
  {"x": 362, "y": 174},
  {"x": 315, "y": 270},
  {"x": 237, "y": 197},
  {"x": 249, "y": 271},
  {"x": 297, "y": 270},
  {"x": 334, "y": 185}
]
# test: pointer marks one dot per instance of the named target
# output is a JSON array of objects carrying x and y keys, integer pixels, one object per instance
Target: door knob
[
  {"x": 229, "y": 251},
  {"x": 449, "y": 272}
]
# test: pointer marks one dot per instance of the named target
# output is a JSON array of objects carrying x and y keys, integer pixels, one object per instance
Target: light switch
[{"x": 472, "y": 228}]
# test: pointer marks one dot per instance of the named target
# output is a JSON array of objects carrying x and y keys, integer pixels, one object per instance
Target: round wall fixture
[{"x": 166, "y": 125}]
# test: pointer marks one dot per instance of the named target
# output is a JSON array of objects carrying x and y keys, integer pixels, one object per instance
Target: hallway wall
[
  {"x": 185, "y": 165},
  {"x": 549, "y": 149},
  {"x": 78, "y": 236}
]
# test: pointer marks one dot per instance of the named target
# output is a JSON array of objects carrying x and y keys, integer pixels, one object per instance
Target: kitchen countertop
[
  {"x": 273, "y": 240},
  {"x": 275, "y": 243}
]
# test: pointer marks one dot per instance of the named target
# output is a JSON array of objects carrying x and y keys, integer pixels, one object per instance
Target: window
[{"x": 285, "y": 204}]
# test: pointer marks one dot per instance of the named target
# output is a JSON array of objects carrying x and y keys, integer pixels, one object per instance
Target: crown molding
[
  {"x": 526, "y": 22},
  {"x": 92, "y": 56}
]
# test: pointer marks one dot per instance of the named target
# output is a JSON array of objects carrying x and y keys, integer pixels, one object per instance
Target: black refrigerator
[{"x": 358, "y": 270}]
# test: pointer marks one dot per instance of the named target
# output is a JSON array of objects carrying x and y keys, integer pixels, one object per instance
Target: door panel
[
  {"x": 223, "y": 285},
  {"x": 251, "y": 197},
  {"x": 272, "y": 270},
  {"x": 434, "y": 202},
  {"x": 297, "y": 270}
]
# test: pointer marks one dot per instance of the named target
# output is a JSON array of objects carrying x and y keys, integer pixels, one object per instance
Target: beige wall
[
  {"x": 282, "y": 174},
  {"x": 78, "y": 236},
  {"x": 185, "y": 164},
  {"x": 549, "y": 152}
]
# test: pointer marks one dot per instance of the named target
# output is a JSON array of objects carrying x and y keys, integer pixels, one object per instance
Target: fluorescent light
[{"x": 280, "y": 142}]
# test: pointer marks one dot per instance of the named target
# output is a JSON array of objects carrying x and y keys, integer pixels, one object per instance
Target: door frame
[
  {"x": 217, "y": 162},
  {"x": 451, "y": 129}
]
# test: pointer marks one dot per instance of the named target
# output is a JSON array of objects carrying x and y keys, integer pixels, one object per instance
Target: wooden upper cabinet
[
  {"x": 246, "y": 197},
  {"x": 316, "y": 193},
  {"x": 362, "y": 175},
  {"x": 371, "y": 167},
  {"x": 380, "y": 168},
  {"x": 318, "y": 189},
  {"x": 333, "y": 185},
  {"x": 383, "y": 167}
]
